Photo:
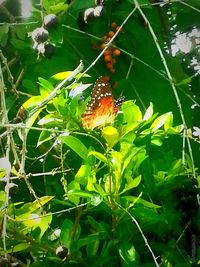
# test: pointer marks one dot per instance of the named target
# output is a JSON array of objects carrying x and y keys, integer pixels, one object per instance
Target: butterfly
[{"x": 102, "y": 108}]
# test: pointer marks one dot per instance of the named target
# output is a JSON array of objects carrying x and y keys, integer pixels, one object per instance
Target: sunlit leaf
[
  {"x": 78, "y": 89},
  {"x": 46, "y": 86},
  {"x": 82, "y": 174},
  {"x": 5, "y": 167},
  {"x": 148, "y": 113},
  {"x": 96, "y": 200},
  {"x": 64, "y": 74},
  {"x": 44, "y": 224},
  {"x": 72, "y": 189},
  {"x": 128, "y": 254},
  {"x": 98, "y": 155},
  {"x": 160, "y": 121},
  {"x": 80, "y": 193},
  {"x": 131, "y": 112},
  {"x": 44, "y": 137},
  {"x": 75, "y": 144},
  {"x": 19, "y": 247}
]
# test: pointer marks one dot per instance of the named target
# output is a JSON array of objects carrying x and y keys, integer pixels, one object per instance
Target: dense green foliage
[{"x": 124, "y": 194}]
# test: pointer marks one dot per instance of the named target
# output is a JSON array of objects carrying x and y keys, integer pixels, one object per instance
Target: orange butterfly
[{"x": 101, "y": 109}]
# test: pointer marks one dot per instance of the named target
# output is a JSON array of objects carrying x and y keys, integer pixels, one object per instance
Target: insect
[{"x": 102, "y": 108}]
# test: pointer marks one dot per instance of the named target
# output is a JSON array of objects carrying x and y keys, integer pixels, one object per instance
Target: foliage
[{"x": 123, "y": 194}]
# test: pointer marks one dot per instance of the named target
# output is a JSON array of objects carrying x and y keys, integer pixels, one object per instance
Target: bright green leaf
[
  {"x": 75, "y": 144},
  {"x": 148, "y": 113},
  {"x": 65, "y": 235},
  {"x": 19, "y": 247},
  {"x": 99, "y": 156},
  {"x": 132, "y": 183},
  {"x": 160, "y": 121},
  {"x": 72, "y": 189}
]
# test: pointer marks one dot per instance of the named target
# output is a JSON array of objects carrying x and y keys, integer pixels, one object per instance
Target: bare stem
[
  {"x": 8, "y": 167},
  {"x": 110, "y": 42},
  {"x": 10, "y": 77},
  {"x": 141, "y": 232},
  {"x": 170, "y": 81}
]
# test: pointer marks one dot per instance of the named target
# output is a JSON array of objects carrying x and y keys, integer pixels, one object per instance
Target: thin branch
[
  {"x": 10, "y": 63},
  {"x": 110, "y": 42},
  {"x": 19, "y": 23},
  {"x": 50, "y": 214},
  {"x": 53, "y": 93},
  {"x": 7, "y": 176},
  {"x": 51, "y": 173},
  {"x": 19, "y": 78},
  {"x": 170, "y": 79},
  {"x": 186, "y": 4},
  {"x": 141, "y": 232},
  {"x": 10, "y": 77}
]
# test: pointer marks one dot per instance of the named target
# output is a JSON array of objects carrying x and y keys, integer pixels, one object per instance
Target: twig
[
  {"x": 110, "y": 42},
  {"x": 192, "y": 7},
  {"x": 19, "y": 23},
  {"x": 22, "y": 169},
  {"x": 141, "y": 232},
  {"x": 51, "y": 173},
  {"x": 170, "y": 80},
  {"x": 82, "y": 32},
  {"x": 7, "y": 176},
  {"x": 5, "y": 11},
  {"x": 129, "y": 69},
  {"x": 49, "y": 214},
  {"x": 53, "y": 93},
  {"x": 10, "y": 77},
  {"x": 19, "y": 78},
  {"x": 10, "y": 63}
]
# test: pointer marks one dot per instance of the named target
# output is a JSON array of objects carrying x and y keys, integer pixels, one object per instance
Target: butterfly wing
[{"x": 101, "y": 108}]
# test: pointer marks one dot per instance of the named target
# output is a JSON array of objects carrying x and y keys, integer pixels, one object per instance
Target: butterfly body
[{"x": 101, "y": 108}]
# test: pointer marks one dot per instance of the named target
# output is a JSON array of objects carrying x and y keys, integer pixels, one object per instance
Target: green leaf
[
  {"x": 139, "y": 200},
  {"x": 160, "y": 121},
  {"x": 32, "y": 102},
  {"x": 96, "y": 200},
  {"x": 82, "y": 174},
  {"x": 131, "y": 112},
  {"x": 50, "y": 119},
  {"x": 58, "y": 8},
  {"x": 169, "y": 122},
  {"x": 99, "y": 156},
  {"x": 44, "y": 224},
  {"x": 44, "y": 137},
  {"x": 128, "y": 253},
  {"x": 72, "y": 189},
  {"x": 87, "y": 240},
  {"x": 132, "y": 183},
  {"x": 148, "y": 113},
  {"x": 19, "y": 44},
  {"x": 29, "y": 85},
  {"x": 92, "y": 247},
  {"x": 46, "y": 86},
  {"x": 19, "y": 247},
  {"x": 75, "y": 144},
  {"x": 61, "y": 75},
  {"x": 65, "y": 235},
  {"x": 4, "y": 34},
  {"x": 31, "y": 207},
  {"x": 79, "y": 193}
]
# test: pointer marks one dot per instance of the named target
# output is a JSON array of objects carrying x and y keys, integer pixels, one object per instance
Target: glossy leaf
[
  {"x": 98, "y": 155},
  {"x": 75, "y": 144}
]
